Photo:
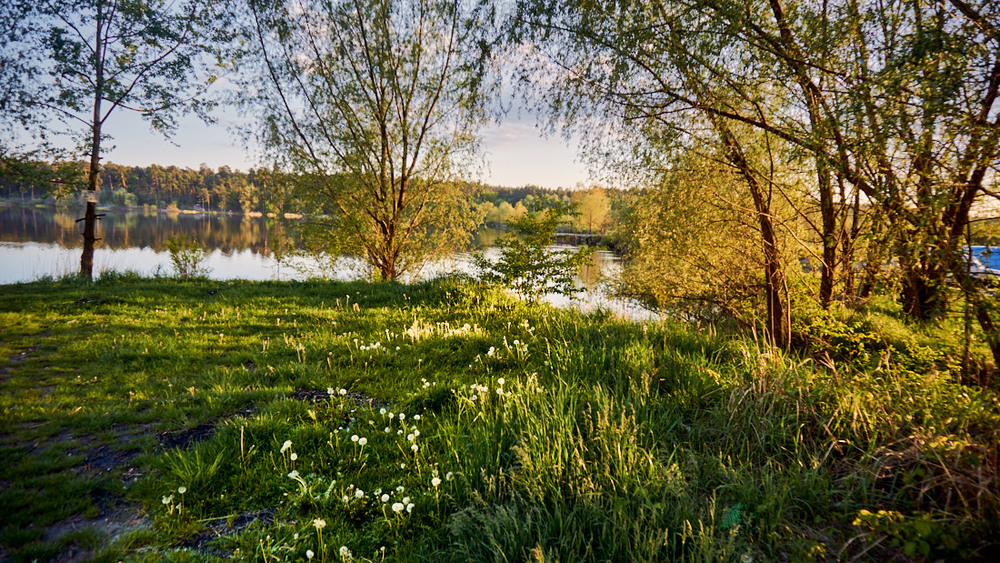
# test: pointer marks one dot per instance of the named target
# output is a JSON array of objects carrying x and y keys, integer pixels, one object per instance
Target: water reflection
[{"x": 38, "y": 241}]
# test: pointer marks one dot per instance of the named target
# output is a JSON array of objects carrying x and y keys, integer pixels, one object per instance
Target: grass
[{"x": 151, "y": 419}]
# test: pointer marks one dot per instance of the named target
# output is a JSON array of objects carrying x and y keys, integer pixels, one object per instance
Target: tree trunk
[
  {"x": 775, "y": 283},
  {"x": 93, "y": 174},
  {"x": 829, "y": 216}
]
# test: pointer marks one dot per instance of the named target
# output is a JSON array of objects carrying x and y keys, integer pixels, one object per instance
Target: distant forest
[{"x": 222, "y": 190}]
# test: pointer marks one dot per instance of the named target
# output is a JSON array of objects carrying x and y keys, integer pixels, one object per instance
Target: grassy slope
[{"x": 606, "y": 440}]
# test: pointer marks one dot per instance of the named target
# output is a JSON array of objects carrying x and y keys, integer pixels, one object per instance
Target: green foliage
[
  {"x": 186, "y": 256},
  {"x": 527, "y": 263}
]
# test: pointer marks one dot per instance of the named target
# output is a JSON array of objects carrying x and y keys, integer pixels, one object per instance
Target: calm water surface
[{"x": 46, "y": 241}]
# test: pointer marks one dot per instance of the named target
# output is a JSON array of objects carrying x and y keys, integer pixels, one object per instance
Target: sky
[{"x": 516, "y": 151}]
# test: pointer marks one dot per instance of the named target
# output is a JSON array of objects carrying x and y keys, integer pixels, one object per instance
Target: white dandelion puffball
[
  {"x": 319, "y": 523},
  {"x": 294, "y": 456},
  {"x": 285, "y": 446},
  {"x": 362, "y": 441},
  {"x": 415, "y": 448},
  {"x": 385, "y": 498},
  {"x": 397, "y": 506},
  {"x": 435, "y": 481},
  {"x": 343, "y": 391},
  {"x": 310, "y": 554},
  {"x": 354, "y": 438}
]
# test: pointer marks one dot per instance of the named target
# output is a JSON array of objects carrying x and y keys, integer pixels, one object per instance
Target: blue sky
[{"x": 516, "y": 151}]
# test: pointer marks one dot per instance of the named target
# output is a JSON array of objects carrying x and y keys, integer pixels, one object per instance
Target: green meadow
[{"x": 156, "y": 419}]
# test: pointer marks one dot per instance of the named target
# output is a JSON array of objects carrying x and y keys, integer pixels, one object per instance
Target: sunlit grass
[{"x": 450, "y": 421}]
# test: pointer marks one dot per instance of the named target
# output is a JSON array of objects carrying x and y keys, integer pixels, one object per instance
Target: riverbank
[{"x": 152, "y": 418}]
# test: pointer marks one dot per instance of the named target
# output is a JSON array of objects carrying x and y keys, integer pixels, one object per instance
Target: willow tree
[
  {"x": 81, "y": 61},
  {"x": 375, "y": 106}
]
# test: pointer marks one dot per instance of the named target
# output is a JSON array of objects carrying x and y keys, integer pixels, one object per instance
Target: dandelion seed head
[
  {"x": 362, "y": 441},
  {"x": 416, "y": 417},
  {"x": 182, "y": 490},
  {"x": 409, "y": 507},
  {"x": 415, "y": 448},
  {"x": 382, "y": 410},
  {"x": 319, "y": 523},
  {"x": 448, "y": 476},
  {"x": 294, "y": 456},
  {"x": 354, "y": 438},
  {"x": 397, "y": 506},
  {"x": 345, "y": 553},
  {"x": 501, "y": 381},
  {"x": 293, "y": 475},
  {"x": 343, "y": 391},
  {"x": 435, "y": 481},
  {"x": 359, "y": 494},
  {"x": 385, "y": 498},
  {"x": 310, "y": 554},
  {"x": 285, "y": 446}
]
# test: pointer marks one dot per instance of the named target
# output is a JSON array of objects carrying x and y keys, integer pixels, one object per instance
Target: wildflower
[
  {"x": 401, "y": 416},
  {"x": 406, "y": 500},
  {"x": 293, "y": 475},
  {"x": 381, "y": 411},
  {"x": 397, "y": 506},
  {"x": 319, "y": 523},
  {"x": 448, "y": 476},
  {"x": 285, "y": 446},
  {"x": 411, "y": 437},
  {"x": 182, "y": 490},
  {"x": 416, "y": 417},
  {"x": 329, "y": 390},
  {"x": 359, "y": 494},
  {"x": 415, "y": 448},
  {"x": 501, "y": 381},
  {"x": 343, "y": 391},
  {"x": 435, "y": 481},
  {"x": 310, "y": 554},
  {"x": 345, "y": 553},
  {"x": 354, "y": 438},
  {"x": 385, "y": 498},
  {"x": 363, "y": 441},
  {"x": 391, "y": 415},
  {"x": 294, "y": 456}
]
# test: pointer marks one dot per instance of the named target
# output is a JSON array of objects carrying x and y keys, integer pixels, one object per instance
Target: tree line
[{"x": 262, "y": 191}]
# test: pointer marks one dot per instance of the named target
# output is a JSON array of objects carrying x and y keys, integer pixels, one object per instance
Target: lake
[{"x": 45, "y": 241}]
